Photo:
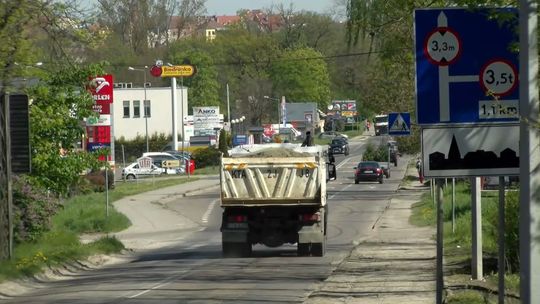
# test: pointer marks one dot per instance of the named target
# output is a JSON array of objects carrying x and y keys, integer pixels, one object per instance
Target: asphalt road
[{"x": 193, "y": 270}]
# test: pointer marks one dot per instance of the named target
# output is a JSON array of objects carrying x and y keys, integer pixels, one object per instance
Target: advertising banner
[{"x": 99, "y": 128}]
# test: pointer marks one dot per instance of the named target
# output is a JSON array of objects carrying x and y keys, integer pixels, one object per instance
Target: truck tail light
[
  {"x": 237, "y": 219},
  {"x": 310, "y": 217}
]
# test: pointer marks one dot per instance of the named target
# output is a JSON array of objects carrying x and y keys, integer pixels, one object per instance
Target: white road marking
[
  {"x": 332, "y": 196},
  {"x": 160, "y": 284},
  {"x": 209, "y": 211}
]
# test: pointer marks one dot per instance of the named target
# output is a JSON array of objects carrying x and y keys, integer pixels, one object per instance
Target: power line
[{"x": 326, "y": 58}]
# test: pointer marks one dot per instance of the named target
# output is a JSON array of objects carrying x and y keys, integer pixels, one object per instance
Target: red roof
[{"x": 227, "y": 20}]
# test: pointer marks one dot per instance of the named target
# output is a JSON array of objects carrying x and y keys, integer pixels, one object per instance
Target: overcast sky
[{"x": 230, "y": 7}]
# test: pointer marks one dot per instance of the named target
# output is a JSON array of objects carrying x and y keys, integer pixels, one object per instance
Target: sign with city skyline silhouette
[{"x": 470, "y": 151}]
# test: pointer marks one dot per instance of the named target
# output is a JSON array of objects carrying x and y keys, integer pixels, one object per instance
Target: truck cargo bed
[{"x": 272, "y": 181}]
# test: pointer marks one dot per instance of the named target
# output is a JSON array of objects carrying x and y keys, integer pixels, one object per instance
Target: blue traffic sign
[
  {"x": 466, "y": 70},
  {"x": 399, "y": 124},
  {"x": 239, "y": 140}
]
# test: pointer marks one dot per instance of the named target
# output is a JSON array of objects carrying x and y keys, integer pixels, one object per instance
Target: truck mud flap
[{"x": 234, "y": 236}]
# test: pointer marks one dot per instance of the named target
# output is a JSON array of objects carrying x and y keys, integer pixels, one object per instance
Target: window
[
  {"x": 136, "y": 108},
  {"x": 126, "y": 108},
  {"x": 147, "y": 112}
]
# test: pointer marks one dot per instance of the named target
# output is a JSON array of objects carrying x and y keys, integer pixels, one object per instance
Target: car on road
[
  {"x": 332, "y": 134},
  {"x": 368, "y": 171},
  {"x": 394, "y": 152},
  {"x": 339, "y": 146}
]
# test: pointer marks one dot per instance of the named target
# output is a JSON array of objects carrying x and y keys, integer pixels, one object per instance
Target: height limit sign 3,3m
[{"x": 466, "y": 68}]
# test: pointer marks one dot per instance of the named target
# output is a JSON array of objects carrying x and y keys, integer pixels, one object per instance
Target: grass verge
[
  {"x": 457, "y": 243},
  {"x": 81, "y": 214}
]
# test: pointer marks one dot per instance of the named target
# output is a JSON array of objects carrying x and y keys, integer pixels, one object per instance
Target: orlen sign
[
  {"x": 99, "y": 129},
  {"x": 101, "y": 88}
]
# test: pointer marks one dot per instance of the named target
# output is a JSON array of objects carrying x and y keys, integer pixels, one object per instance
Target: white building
[{"x": 130, "y": 107}]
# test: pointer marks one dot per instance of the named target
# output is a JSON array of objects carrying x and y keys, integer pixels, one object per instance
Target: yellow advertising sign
[
  {"x": 170, "y": 164},
  {"x": 185, "y": 70}
]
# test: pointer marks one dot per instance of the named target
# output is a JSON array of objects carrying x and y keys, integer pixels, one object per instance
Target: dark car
[
  {"x": 368, "y": 171},
  {"x": 394, "y": 152},
  {"x": 339, "y": 146}
]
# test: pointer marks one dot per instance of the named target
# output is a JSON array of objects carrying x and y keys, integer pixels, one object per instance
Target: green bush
[
  {"x": 379, "y": 154},
  {"x": 209, "y": 156},
  {"x": 32, "y": 210},
  {"x": 409, "y": 144}
]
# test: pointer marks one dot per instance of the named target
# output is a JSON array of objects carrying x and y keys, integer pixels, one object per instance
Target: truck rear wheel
[
  {"x": 318, "y": 249},
  {"x": 303, "y": 249},
  {"x": 236, "y": 250}
]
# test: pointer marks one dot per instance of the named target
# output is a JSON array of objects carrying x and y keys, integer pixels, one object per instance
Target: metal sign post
[
  {"x": 440, "y": 242},
  {"x": 529, "y": 209},
  {"x": 501, "y": 239},
  {"x": 476, "y": 216}
]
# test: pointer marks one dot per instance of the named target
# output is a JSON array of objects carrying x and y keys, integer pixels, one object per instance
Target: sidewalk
[
  {"x": 152, "y": 224},
  {"x": 394, "y": 265}
]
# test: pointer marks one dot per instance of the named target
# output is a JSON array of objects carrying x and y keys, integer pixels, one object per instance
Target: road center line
[{"x": 209, "y": 210}]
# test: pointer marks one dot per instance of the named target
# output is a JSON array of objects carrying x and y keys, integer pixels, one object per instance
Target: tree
[
  {"x": 140, "y": 24},
  {"x": 302, "y": 76},
  {"x": 223, "y": 140},
  {"x": 203, "y": 86},
  {"x": 246, "y": 61},
  {"x": 60, "y": 104},
  {"x": 189, "y": 16}
]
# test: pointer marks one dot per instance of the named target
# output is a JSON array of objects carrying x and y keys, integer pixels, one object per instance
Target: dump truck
[
  {"x": 275, "y": 194},
  {"x": 381, "y": 124}
]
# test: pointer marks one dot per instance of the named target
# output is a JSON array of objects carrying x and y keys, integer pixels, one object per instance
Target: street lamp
[
  {"x": 242, "y": 124},
  {"x": 233, "y": 127},
  {"x": 274, "y": 99},
  {"x": 144, "y": 105}
]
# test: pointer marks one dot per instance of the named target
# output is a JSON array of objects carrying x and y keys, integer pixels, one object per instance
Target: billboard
[
  {"x": 205, "y": 120},
  {"x": 343, "y": 108}
]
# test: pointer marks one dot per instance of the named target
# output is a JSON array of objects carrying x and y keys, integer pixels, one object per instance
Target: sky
[{"x": 230, "y": 7}]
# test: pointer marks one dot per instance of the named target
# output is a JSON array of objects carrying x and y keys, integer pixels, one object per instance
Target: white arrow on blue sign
[
  {"x": 466, "y": 70},
  {"x": 399, "y": 124}
]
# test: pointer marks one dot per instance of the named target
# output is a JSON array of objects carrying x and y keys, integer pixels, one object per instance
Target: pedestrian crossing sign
[{"x": 399, "y": 123}]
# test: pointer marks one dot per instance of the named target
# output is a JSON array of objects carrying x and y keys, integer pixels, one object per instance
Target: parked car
[
  {"x": 386, "y": 169},
  {"x": 169, "y": 161},
  {"x": 368, "y": 171},
  {"x": 339, "y": 146},
  {"x": 179, "y": 154},
  {"x": 133, "y": 171},
  {"x": 332, "y": 134}
]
